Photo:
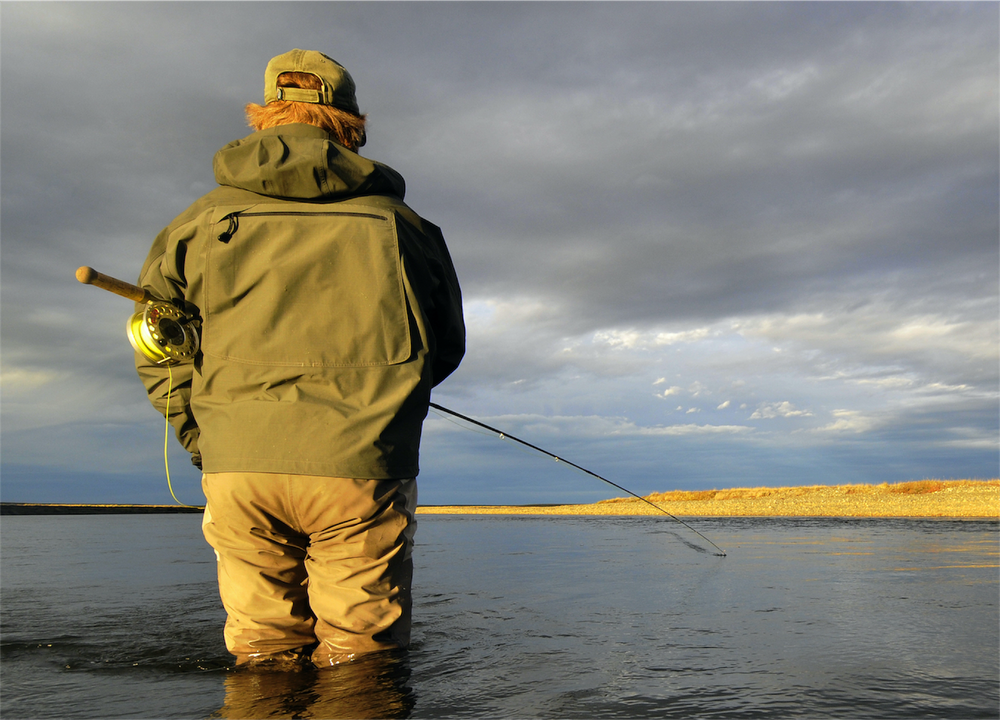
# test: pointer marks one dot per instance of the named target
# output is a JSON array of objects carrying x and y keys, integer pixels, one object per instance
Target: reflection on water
[
  {"x": 530, "y": 617},
  {"x": 373, "y": 686}
]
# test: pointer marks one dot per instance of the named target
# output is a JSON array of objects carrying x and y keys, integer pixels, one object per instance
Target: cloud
[
  {"x": 781, "y": 216},
  {"x": 850, "y": 421},
  {"x": 25, "y": 378},
  {"x": 785, "y": 409}
]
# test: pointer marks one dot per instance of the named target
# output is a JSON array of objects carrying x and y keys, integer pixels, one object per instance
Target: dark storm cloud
[{"x": 757, "y": 164}]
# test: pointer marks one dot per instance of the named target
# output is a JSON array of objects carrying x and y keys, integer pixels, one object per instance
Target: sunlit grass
[
  {"x": 914, "y": 498},
  {"x": 912, "y": 487}
]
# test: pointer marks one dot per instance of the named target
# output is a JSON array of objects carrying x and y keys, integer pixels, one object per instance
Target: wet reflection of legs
[{"x": 371, "y": 686}]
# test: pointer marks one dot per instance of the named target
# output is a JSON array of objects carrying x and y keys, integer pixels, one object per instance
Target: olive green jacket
[{"x": 328, "y": 311}]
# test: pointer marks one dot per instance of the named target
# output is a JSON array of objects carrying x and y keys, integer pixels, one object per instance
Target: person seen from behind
[{"x": 328, "y": 311}]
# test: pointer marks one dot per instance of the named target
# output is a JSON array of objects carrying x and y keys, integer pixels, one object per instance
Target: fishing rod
[
  {"x": 166, "y": 335},
  {"x": 507, "y": 436},
  {"x": 163, "y": 332}
]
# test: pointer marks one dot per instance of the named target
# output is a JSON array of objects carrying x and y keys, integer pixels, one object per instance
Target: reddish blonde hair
[{"x": 346, "y": 127}]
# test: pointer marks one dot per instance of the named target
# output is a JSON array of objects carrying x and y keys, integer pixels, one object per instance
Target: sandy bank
[{"x": 926, "y": 498}]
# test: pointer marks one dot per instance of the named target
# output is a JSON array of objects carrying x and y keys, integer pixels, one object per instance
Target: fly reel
[{"x": 162, "y": 333}]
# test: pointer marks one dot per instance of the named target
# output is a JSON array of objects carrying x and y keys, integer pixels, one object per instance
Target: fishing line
[
  {"x": 166, "y": 437},
  {"x": 161, "y": 332},
  {"x": 166, "y": 434},
  {"x": 507, "y": 436}
]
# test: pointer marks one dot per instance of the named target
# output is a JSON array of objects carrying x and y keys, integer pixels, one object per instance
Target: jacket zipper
[{"x": 234, "y": 218}]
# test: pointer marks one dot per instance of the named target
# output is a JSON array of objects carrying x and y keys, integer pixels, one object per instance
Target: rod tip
[{"x": 86, "y": 275}]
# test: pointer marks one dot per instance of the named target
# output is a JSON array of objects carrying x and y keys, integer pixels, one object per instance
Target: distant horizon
[{"x": 175, "y": 507}]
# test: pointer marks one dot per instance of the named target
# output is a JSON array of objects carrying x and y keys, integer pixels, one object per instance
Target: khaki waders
[{"x": 311, "y": 566}]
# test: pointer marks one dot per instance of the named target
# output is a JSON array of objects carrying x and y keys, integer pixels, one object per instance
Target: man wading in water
[{"x": 329, "y": 310}]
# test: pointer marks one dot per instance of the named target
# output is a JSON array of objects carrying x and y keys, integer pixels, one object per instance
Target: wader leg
[
  {"x": 312, "y": 563},
  {"x": 262, "y": 578},
  {"x": 360, "y": 573}
]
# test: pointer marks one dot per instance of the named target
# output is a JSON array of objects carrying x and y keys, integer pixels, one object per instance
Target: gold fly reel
[{"x": 162, "y": 333}]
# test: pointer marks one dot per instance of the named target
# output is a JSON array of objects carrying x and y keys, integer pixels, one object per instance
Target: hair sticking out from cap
[{"x": 347, "y": 128}]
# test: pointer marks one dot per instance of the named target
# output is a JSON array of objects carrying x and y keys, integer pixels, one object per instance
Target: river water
[{"x": 530, "y": 617}]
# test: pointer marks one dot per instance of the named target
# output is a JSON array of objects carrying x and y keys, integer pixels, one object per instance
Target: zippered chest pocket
[{"x": 305, "y": 287}]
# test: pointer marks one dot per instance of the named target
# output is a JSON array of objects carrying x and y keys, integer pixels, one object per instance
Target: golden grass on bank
[
  {"x": 921, "y": 498},
  {"x": 914, "y": 487}
]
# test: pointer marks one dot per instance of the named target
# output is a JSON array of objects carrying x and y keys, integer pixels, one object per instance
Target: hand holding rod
[{"x": 89, "y": 276}]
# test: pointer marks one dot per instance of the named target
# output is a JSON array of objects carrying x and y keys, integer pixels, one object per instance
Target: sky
[{"x": 701, "y": 245}]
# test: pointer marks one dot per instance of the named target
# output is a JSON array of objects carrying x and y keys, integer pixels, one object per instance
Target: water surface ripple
[{"x": 530, "y": 617}]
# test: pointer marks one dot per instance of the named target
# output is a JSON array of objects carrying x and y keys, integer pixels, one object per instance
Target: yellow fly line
[
  {"x": 166, "y": 434},
  {"x": 162, "y": 332}
]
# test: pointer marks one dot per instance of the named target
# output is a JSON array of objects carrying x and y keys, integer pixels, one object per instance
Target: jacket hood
[{"x": 302, "y": 162}]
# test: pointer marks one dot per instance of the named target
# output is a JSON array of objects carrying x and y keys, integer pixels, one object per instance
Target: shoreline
[
  {"x": 970, "y": 499},
  {"x": 973, "y": 499}
]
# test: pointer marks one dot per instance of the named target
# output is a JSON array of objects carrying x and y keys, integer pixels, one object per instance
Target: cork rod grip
[{"x": 89, "y": 276}]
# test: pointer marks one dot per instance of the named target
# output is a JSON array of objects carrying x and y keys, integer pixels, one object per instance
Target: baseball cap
[{"x": 338, "y": 85}]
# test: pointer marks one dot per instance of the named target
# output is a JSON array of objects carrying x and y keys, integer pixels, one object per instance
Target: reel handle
[{"x": 89, "y": 276}]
